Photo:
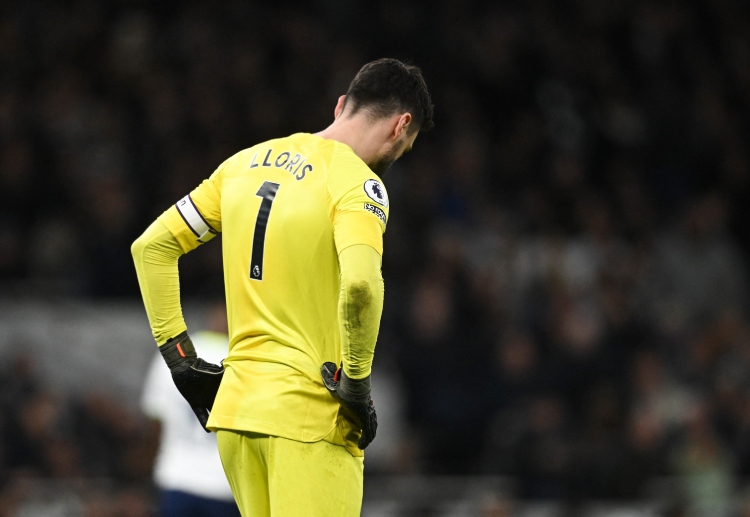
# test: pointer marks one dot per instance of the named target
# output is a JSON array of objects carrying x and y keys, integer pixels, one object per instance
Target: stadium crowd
[{"x": 566, "y": 260}]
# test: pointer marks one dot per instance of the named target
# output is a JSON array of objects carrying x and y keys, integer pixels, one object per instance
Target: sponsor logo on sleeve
[
  {"x": 375, "y": 210},
  {"x": 375, "y": 191}
]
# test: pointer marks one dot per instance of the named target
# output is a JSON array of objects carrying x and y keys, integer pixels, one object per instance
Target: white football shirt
[{"x": 188, "y": 458}]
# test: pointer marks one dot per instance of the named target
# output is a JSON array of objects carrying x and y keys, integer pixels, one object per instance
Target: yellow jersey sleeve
[
  {"x": 192, "y": 221},
  {"x": 360, "y": 308},
  {"x": 155, "y": 254},
  {"x": 360, "y": 202}
]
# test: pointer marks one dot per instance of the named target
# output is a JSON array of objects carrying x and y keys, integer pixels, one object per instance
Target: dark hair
[{"x": 388, "y": 86}]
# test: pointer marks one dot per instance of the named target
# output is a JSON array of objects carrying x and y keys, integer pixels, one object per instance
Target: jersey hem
[
  {"x": 262, "y": 427},
  {"x": 332, "y": 435}
]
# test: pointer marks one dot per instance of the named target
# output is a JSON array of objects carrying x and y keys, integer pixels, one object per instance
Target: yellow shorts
[{"x": 276, "y": 477}]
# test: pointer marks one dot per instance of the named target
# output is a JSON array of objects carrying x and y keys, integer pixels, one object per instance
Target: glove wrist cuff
[
  {"x": 178, "y": 351},
  {"x": 354, "y": 389}
]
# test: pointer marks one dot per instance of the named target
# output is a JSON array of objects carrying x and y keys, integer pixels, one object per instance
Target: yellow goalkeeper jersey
[{"x": 285, "y": 209}]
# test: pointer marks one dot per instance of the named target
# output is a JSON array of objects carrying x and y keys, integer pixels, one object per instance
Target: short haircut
[{"x": 388, "y": 86}]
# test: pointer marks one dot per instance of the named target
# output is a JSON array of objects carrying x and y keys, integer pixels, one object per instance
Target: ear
[
  {"x": 339, "y": 106},
  {"x": 402, "y": 125}
]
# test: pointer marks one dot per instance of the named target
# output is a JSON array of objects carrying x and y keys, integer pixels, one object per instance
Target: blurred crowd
[
  {"x": 65, "y": 456},
  {"x": 566, "y": 258}
]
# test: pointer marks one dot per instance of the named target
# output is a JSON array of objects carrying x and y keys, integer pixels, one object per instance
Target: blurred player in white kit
[{"x": 188, "y": 470}]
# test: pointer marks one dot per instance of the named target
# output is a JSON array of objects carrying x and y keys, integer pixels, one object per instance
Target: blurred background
[{"x": 566, "y": 325}]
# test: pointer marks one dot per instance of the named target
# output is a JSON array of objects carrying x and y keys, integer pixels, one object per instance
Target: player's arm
[
  {"x": 156, "y": 253},
  {"x": 358, "y": 235},
  {"x": 358, "y": 228},
  {"x": 177, "y": 231},
  {"x": 360, "y": 307}
]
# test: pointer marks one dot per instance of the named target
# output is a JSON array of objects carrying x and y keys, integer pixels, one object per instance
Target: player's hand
[
  {"x": 197, "y": 380},
  {"x": 354, "y": 397}
]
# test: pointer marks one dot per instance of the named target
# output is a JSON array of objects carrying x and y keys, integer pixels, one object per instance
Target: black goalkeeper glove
[
  {"x": 196, "y": 379},
  {"x": 354, "y": 397}
]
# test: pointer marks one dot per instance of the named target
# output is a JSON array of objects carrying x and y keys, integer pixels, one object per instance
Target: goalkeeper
[{"x": 302, "y": 219}]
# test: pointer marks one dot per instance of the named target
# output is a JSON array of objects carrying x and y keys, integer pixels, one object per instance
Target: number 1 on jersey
[{"x": 267, "y": 192}]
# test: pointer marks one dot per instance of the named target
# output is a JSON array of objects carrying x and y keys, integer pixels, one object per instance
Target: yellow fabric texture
[
  {"x": 155, "y": 254},
  {"x": 283, "y": 327},
  {"x": 360, "y": 307},
  {"x": 274, "y": 476}
]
